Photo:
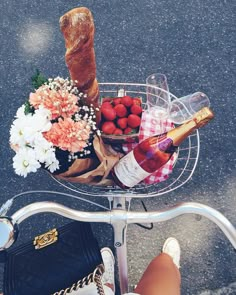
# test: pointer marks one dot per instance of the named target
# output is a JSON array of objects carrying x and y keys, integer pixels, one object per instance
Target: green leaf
[
  {"x": 38, "y": 79},
  {"x": 28, "y": 108}
]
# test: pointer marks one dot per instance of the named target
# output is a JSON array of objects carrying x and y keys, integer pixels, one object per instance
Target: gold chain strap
[
  {"x": 95, "y": 277},
  {"x": 98, "y": 279}
]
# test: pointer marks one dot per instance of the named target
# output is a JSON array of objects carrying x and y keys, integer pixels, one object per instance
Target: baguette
[{"x": 77, "y": 27}]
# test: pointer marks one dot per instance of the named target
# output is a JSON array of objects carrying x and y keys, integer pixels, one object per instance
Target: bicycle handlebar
[{"x": 123, "y": 217}]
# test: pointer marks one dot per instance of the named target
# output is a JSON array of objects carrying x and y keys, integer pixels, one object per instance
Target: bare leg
[{"x": 161, "y": 277}]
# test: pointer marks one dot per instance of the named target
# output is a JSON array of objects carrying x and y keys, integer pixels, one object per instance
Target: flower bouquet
[
  {"x": 51, "y": 125},
  {"x": 56, "y": 130}
]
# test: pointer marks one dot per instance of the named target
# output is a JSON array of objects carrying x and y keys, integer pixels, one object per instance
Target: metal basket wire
[{"x": 186, "y": 156}]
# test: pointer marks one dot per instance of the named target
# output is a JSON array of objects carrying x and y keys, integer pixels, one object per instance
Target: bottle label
[{"x": 129, "y": 172}]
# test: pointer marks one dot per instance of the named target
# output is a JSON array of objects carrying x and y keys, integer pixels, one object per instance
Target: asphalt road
[{"x": 193, "y": 43}]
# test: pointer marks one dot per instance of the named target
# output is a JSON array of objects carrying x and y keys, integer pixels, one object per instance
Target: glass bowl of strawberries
[{"x": 121, "y": 118}]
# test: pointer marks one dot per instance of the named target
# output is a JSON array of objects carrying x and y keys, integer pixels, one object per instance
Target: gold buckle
[{"x": 46, "y": 239}]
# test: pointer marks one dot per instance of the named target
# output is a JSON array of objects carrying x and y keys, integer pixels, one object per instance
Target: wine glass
[
  {"x": 183, "y": 109},
  {"x": 158, "y": 97}
]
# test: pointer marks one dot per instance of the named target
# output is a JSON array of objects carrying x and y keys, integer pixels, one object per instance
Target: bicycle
[{"x": 119, "y": 214}]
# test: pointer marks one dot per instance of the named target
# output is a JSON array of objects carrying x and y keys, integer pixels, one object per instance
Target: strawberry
[
  {"x": 106, "y": 104},
  {"x": 122, "y": 123},
  {"x": 136, "y": 109},
  {"x": 137, "y": 101},
  {"x": 134, "y": 121},
  {"x": 116, "y": 101},
  {"x": 127, "y": 101},
  {"x": 121, "y": 110},
  {"x": 128, "y": 130},
  {"x": 108, "y": 127},
  {"x": 108, "y": 113},
  {"x": 118, "y": 131}
]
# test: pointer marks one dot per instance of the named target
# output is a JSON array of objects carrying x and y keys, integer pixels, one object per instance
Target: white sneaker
[
  {"x": 109, "y": 262},
  {"x": 172, "y": 248}
]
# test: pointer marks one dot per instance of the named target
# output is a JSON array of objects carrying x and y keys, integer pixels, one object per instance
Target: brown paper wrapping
[{"x": 93, "y": 171}]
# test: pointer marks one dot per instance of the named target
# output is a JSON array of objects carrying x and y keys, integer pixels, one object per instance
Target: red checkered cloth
[{"x": 152, "y": 125}]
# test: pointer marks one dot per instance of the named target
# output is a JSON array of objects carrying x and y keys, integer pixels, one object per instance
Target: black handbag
[{"x": 56, "y": 262}]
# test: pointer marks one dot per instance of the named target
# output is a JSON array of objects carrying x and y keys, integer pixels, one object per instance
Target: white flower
[
  {"x": 41, "y": 119},
  {"x": 18, "y": 131},
  {"x": 51, "y": 162},
  {"x": 52, "y": 166},
  {"x": 25, "y": 128},
  {"x": 25, "y": 162},
  {"x": 21, "y": 112},
  {"x": 39, "y": 122},
  {"x": 45, "y": 153},
  {"x": 44, "y": 150}
]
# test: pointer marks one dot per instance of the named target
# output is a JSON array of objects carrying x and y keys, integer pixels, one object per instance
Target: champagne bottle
[{"x": 154, "y": 152}]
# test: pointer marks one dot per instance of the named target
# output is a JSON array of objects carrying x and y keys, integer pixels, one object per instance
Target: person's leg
[{"x": 162, "y": 276}]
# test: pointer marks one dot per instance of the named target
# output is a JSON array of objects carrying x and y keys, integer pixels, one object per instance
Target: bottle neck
[{"x": 179, "y": 134}]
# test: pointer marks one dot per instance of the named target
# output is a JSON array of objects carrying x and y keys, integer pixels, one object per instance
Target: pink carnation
[
  {"x": 58, "y": 102},
  {"x": 69, "y": 135}
]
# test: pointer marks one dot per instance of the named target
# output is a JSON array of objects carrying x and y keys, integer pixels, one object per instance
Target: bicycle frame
[{"x": 119, "y": 218}]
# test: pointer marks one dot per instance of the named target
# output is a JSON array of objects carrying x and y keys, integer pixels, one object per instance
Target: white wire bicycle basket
[{"x": 185, "y": 163}]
